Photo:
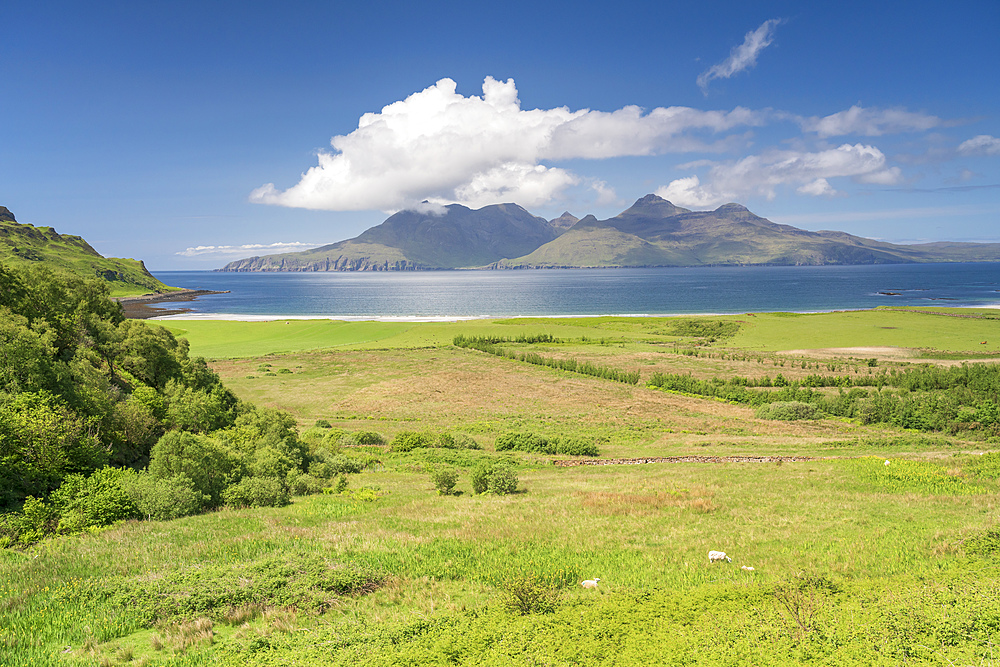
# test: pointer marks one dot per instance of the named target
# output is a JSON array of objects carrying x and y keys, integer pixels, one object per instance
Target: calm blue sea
[{"x": 591, "y": 292}]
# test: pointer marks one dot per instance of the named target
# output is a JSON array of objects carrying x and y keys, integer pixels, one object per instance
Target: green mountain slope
[
  {"x": 457, "y": 237},
  {"x": 22, "y": 244},
  {"x": 654, "y": 232}
]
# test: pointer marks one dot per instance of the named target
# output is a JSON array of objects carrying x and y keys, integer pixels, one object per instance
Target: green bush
[
  {"x": 788, "y": 411},
  {"x": 256, "y": 492},
  {"x": 445, "y": 478},
  {"x": 328, "y": 465},
  {"x": 304, "y": 484},
  {"x": 205, "y": 461},
  {"x": 36, "y": 520},
  {"x": 522, "y": 442},
  {"x": 502, "y": 480},
  {"x": 528, "y": 595},
  {"x": 499, "y": 477},
  {"x": 322, "y": 423},
  {"x": 362, "y": 438},
  {"x": 164, "y": 498},
  {"x": 98, "y": 500},
  {"x": 406, "y": 441},
  {"x": 41, "y": 441},
  {"x": 575, "y": 447}
]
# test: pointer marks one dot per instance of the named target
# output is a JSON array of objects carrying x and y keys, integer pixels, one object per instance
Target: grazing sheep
[
  {"x": 716, "y": 556},
  {"x": 747, "y": 568},
  {"x": 590, "y": 583},
  {"x": 887, "y": 461}
]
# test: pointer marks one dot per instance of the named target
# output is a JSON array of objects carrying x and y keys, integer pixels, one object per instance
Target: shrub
[
  {"x": 363, "y": 438},
  {"x": 256, "y": 492},
  {"x": 499, "y": 477},
  {"x": 406, "y": 441},
  {"x": 788, "y": 411},
  {"x": 575, "y": 447},
  {"x": 35, "y": 520},
  {"x": 522, "y": 442},
  {"x": 205, "y": 461},
  {"x": 97, "y": 500},
  {"x": 326, "y": 465},
  {"x": 528, "y": 595},
  {"x": 304, "y": 484},
  {"x": 164, "y": 498},
  {"x": 445, "y": 478},
  {"x": 481, "y": 477},
  {"x": 43, "y": 441},
  {"x": 322, "y": 423},
  {"x": 502, "y": 480}
]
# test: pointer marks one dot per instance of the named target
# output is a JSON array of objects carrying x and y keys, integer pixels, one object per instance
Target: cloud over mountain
[
  {"x": 763, "y": 174},
  {"x": 441, "y": 146}
]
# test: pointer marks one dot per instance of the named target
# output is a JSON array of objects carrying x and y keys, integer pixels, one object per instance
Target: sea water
[{"x": 564, "y": 292}]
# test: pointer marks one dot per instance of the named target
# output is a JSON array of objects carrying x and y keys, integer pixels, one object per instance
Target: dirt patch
[
  {"x": 892, "y": 353},
  {"x": 567, "y": 463}
]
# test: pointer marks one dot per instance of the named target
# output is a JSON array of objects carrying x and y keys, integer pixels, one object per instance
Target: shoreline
[
  {"x": 140, "y": 308},
  {"x": 189, "y": 314}
]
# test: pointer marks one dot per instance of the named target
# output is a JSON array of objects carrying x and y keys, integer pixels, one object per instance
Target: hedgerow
[{"x": 492, "y": 345}]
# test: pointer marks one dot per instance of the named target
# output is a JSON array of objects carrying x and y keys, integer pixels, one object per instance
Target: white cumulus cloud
[
  {"x": 742, "y": 57},
  {"x": 245, "y": 249},
  {"x": 761, "y": 175},
  {"x": 440, "y": 146},
  {"x": 984, "y": 144},
  {"x": 870, "y": 122}
]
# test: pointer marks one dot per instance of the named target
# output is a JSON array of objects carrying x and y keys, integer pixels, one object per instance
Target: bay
[{"x": 564, "y": 292}]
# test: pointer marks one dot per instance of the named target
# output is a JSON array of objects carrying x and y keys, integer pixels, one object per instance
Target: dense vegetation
[
  {"x": 954, "y": 399},
  {"x": 104, "y": 419}
]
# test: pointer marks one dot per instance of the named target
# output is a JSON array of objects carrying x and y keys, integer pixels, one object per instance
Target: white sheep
[
  {"x": 747, "y": 568},
  {"x": 717, "y": 556},
  {"x": 590, "y": 583}
]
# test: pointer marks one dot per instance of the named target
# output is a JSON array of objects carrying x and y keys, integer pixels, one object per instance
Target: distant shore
[{"x": 139, "y": 307}]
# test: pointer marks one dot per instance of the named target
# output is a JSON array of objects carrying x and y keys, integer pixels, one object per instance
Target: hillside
[
  {"x": 458, "y": 237},
  {"x": 23, "y": 244},
  {"x": 652, "y": 232}
]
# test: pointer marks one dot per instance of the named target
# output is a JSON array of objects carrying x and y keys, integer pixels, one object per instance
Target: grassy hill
[{"x": 22, "y": 244}]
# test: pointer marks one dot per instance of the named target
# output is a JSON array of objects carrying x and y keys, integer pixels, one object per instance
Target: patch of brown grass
[
  {"x": 180, "y": 636},
  {"x": 698, "y": 499}
]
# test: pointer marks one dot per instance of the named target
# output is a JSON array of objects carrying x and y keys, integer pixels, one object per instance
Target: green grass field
[
  {"x": 917, "y": 329},
  {"x": 854, "y": 561}
]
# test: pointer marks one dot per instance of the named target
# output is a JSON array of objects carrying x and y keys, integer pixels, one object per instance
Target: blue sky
[{"x": 190, "y": 134}]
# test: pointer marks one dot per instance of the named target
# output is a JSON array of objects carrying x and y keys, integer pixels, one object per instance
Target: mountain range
[{"x": 652, "y": 232}]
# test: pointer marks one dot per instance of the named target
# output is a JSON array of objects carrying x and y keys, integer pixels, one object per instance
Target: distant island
[{"x": 651, "y": 233}]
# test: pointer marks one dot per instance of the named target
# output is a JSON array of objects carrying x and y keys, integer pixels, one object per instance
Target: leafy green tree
[
  {"x": 42, "y": 441},
  {"x": 208, "y": 463}
]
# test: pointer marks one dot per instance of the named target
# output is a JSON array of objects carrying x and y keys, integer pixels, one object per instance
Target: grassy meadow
[{"x": 851, "y": 543}]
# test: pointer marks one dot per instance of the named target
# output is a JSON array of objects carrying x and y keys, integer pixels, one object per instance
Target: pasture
[{"x": 855, "y": 561}]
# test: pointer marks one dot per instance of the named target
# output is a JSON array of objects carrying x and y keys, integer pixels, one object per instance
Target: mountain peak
[
  {"x": 564, "y": 221},
  {"x": 5, "y": 214},
  {"x": 732, "y": 207},
  {"x": 653, "y": 206}
]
